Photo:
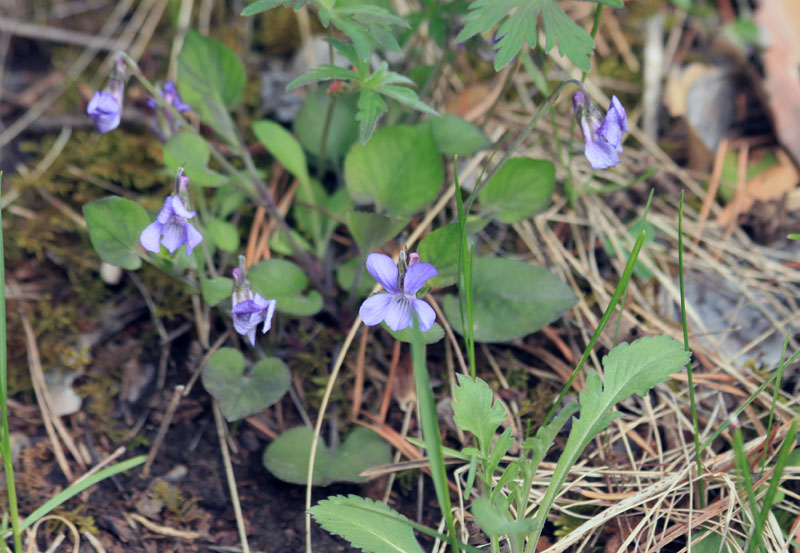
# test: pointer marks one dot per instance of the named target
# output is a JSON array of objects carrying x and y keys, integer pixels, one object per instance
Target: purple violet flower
[
  {"x": 603, "y": 136},
  {"x": 395, "y": 306},
  {"x": 105, "y": 107},
  {"x": 249, "y": 310},
  {"x": 172, "y": 228},
  {"x": 105, "y": 111},
  {"x": 170, "y": 95}
]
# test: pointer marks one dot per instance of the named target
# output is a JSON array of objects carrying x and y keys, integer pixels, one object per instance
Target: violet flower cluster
[
  {"x": 249, "y": 310},
  {"x": 395, "y": 306},
  {"x": 172, "y": 228},
  {"x": 603, "y": 136}
]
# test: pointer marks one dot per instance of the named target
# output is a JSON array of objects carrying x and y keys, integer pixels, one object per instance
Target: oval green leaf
[
  {"x": 343, "y": 129},
  {"x": 115, "y": 224},
  {"x": 512, "y": 299},
  {"x": 399, "y": 170},
  {"x": 285, "y": 282},
  {"x": 521, "y": 188},
  {"x": 456, "y": 136}
]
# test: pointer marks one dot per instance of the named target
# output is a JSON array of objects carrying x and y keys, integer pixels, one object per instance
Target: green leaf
[
  {"x": 512, "y": 299},
  {"x": 440, "y": 248},
  {"x": 285, "y": 282},
  {"x": 433, "y": 335},
  {"x": 640, "y": 270},
  {"x": 520, "y": 189},
  {"x": 310, "y": 120},
  {"x": 628, "y": 369},
  {"x": 211, "y": 79},
  {"x": 521, "y": 28},
  {"x": 223, "y": 234},
  {"x": 495, "y": 522},
  {"x": 284, "y": 147},
  {"x": 317, "y": 223},
  {"x": 476, "y": 411},
  {"x": 346, "y": 277},
  {"x": 115, "y": 224},
  {"x": 371, "y": 230},
  {"x": 456, "y": 136},
  {"x": 241, "y": 393},
  {"x": 264, "y": 5},
  {"x": 363, "y": 522},
  {"x": 367, "y": 25},
  {"x": 190, "y": 151},
  {"x": 287, "y": 456},
  {"x": 216, "y": 289},
  {"x": 227, "y": 200},
  {"x": 399, "y": 170}
]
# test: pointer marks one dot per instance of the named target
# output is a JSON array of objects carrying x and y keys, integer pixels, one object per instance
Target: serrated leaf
[
  {"x": 520, "y": 28},
  {"x": 264, "y": 5},
  {"x": 628, "y": 369},
  {"x": 475, "y": 411},
  {"x": 365, "y": 524},
  {"x": 115, "y": 224}
]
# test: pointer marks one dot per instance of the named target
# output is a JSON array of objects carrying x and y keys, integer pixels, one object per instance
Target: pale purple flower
[
  {"x": 249, "y": 310},
  {"x": 396, "y": 305},
  {"x": 171, "y": 228},
  {"x": 248, "y": 314},
  {"x": 170, "y": 95},
  {"x": 105, "y": 107},
  {"x": 603, "y": 136},
  {"x": 105, "y": 111}
]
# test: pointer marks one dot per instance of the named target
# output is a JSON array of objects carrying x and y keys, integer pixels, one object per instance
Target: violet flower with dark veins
[
  {"x": 396, "y": 305},
  {"x": 249, "y": 310},
  {"x": 603, "y": 136},
  {"x": 172, "y": 227}
]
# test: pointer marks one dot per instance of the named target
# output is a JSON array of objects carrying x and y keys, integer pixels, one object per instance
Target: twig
[
  {"x": 188, "y": 535},
  {"x": 358, "y": 385},
  {"x": 222, "y": 432},
  {"x": 162, "y": 430}
]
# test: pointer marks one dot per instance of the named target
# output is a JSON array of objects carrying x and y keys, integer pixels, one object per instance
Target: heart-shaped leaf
[
  {"x": 399, "y": 170},
  {"x": 287, "y": 456},
  {"x": 115, "y": 224},
  {"x": 282, "y": 280},
  {"x": 241, "y": 393},
  {"x": 371, "y": 230},
  {"x": 216, "y": 289},
  {"x": 512, "y": 299}
]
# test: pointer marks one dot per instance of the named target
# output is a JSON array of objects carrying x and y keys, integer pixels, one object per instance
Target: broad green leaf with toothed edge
[
  {"x": 365, "y": 524},
  {"x": 475, "y": 411},
  {"x": 629, "y": 369}
]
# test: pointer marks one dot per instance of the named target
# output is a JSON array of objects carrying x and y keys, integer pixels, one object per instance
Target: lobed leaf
[{"x": 368, "y": 525}]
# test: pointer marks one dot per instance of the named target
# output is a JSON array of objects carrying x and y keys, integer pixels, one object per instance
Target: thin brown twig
[{"x": 162, "y": 430}]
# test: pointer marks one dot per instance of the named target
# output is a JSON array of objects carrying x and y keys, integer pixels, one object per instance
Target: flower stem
[
  {"x": 5, "y": 440},
  {"x": 324, "y": 141}
]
